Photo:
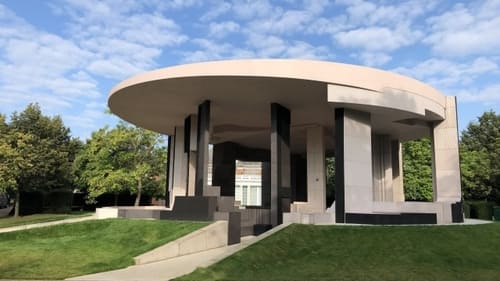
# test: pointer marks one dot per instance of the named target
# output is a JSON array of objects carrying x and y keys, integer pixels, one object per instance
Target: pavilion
[{"x": 288, "y": 115}]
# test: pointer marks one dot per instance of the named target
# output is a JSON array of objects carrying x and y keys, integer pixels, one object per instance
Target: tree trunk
[
  {"x": 16, "y": 205},
  {"x": 139, "y": 191},
  {"x": 116, "y": 199}
]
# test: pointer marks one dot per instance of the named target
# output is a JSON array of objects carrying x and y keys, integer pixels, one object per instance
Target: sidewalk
[
  {"x": 43, "y": 224},
  {"x": 175, "y": 267}
]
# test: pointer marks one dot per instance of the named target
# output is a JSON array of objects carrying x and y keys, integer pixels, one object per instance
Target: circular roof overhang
[{"x": 241, "y": 92}]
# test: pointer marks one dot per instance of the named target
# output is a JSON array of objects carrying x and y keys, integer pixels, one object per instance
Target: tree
[
  {"x": 9, "y": 158},
  {"x": 124, "y": 158},
  {"x": 417, "y": 170},
  {"x": 480, "y": 158},
  {"x": 475, "y": 169},
  {"x": 330, "y": 180},
  {"x": 36, "y": 153}
]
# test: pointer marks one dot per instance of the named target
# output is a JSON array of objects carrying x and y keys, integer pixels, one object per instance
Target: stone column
[
  {"x": 280, "y": 162},
  {"x": 266, "y": 185},
  {"x": 397, "y": 171},
  {"x": 202, "y": 147},
  {"x": 190, "y": 143},
  {"x": 169, "y": 170},
  {"x": 353, "y": 163},
  {"x": 224, "y": 167},
  {"x": 316, "y": 173},
  {"x": 446, "y": 168},
  {"x": 179, "y": 173},
  {"x": 382, "y": 168}
]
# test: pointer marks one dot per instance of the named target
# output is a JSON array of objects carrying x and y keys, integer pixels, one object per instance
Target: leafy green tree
[
  {"x": 9, "y": 158},
  {"x": 475, "y": 169},
  {"x": 37, "y": 153},
  {"x": 330, "y": 180},
  {"x": 480, "y": 158},
  {"x": 417, "y": 170},
  {"x": 124, "y": 158}
]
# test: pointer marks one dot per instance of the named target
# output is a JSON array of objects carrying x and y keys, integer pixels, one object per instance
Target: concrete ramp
[
  {"x": 177, "y": 266},
  {"x": 210, "y": 237}
]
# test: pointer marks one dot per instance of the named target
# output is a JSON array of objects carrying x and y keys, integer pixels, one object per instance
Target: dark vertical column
[
  {"x": 280, "y": 162},
  {"x": 187, "y": 134},
  {"x": 187, "y": 144},
  {"x": 266, "y": 184},
  {"x": 202, "y": 147},
  {"x": 224, "y": 167},
  {"x": 339, "y": 166},
  {"x": 299, "y": 178},
  {"x": 167, "y": 178}
]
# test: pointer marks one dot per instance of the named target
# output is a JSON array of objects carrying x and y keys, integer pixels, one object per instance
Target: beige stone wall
[
  {"x": 357, "y": 162},
  {"x": 446, "y": 165}
]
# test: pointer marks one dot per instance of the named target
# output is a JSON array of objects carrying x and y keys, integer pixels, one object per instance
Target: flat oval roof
[{"x": 159, "y": 100}]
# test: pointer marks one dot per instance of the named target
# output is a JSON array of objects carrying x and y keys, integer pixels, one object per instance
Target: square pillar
[
  {"x": 280, "y": 163},
  {"x": 382, "y": 168},
  {"x": 397, "y": 171},
  {"x": 316, "y": 173},
  {"x": 445, "y": 157},
  {"x": 179, "y": 167},
  {"x": 203, "y": 139},
  {"x": 169, "y": 170},
  {"x": 353, "y": 163},
  {"x": 190, "y": 147},
  {"x": 224, "y": 167}
]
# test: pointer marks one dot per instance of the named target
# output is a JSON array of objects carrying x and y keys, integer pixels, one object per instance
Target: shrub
[{"x": 480, "y": 209}]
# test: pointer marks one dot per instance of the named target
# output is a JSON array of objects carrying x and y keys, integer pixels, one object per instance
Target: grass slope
[
  {"x": 38, "y": 218},
  {"x": 304, "y": 252},
  {"x": 62, "y": 251}
]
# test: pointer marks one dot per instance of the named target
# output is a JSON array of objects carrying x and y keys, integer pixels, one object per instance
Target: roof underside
[{"x": 240, "y": 104}]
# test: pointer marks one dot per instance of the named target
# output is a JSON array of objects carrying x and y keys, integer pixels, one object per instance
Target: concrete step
[
  {"x": 309, "y": 218},
  {"x": 226, "y": 204}
]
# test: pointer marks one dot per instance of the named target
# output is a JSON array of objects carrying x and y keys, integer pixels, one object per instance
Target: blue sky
[{"x": 67, "y": 54}]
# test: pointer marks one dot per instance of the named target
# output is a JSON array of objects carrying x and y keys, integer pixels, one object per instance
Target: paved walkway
[
  {"x": 175, "y": 267},
  {"x": 43, "y": 224},
  {"x": 473, "y": 221}
]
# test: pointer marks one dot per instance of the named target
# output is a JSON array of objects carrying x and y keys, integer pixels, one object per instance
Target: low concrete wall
[
  {"x": 209, "y": 237},
  {"x": 309, "y": 218},
  {"x": 106, "y": 213}
]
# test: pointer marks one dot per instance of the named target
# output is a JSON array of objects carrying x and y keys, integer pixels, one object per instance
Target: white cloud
[
  {"x": 254, "y": 9},
  {"x": 287, "y": 22},
  {"x": 222, "y": 29},
  {"x": 378, "y": 38},
  {"x": 304, "y": 50},
  {"x": 368, "y": 13},
  {"x": 466, "y": 30},
  {"x": 207, "y": 50},
  {"x": 267, "y": 45},
  {"x": 446, "y": 73},
  {"x": 374, "y": 59},
  {"x": 460, "y": 78},
  {"x": 330, "y": 26},
  {"x": 40, "y": 67},
  {"x": 488, "y": 95},
  {"x": 125, "y": 38},
  {"x": 217, "y": 8}
]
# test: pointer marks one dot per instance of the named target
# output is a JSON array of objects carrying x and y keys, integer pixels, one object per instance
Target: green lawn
[
  {"x": 38, "y": 218},
  {"x": 304, "y": 252},
  {"x": 62, "y": 251}
]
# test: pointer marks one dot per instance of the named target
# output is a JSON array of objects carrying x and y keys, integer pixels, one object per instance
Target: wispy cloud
[
  {"x": 472, "y": 29},
  {"x": 454, "y": 47}
]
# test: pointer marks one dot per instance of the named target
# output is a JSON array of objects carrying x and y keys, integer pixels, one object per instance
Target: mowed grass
[
  {"x": 39, "y": 218},
  {"x": 304, "y": 252},
  {"x": 62, "y": 251}
]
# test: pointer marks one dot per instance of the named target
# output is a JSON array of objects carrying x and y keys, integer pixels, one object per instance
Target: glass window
[{"x": 248, "y": 185}]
